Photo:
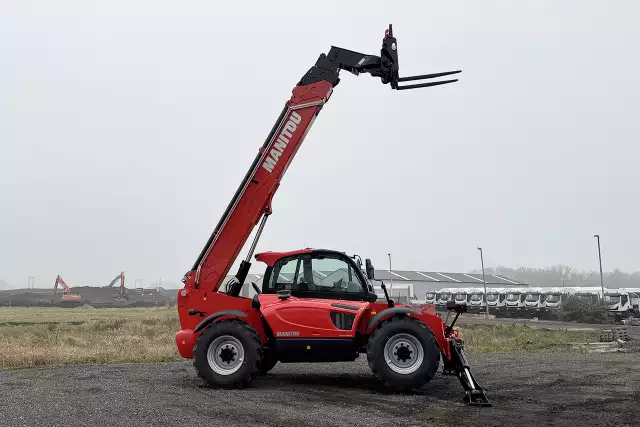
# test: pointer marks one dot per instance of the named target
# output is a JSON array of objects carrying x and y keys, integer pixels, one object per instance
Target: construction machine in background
[
  {"x": 66, "y": 291},
  {"x": 121, "y": 292},
  {"x": 315, "y": 305}
]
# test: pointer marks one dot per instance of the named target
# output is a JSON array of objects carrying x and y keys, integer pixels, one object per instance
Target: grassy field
[
  {"x": 517, "y": 337},
  {"x": 45, "y": 336}
]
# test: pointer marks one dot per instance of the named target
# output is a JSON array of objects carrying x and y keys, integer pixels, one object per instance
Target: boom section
[{"x": 253, "y": 198}]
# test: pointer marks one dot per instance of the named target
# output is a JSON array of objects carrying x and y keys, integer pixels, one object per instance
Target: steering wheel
[{"x": 337, "y": 285}]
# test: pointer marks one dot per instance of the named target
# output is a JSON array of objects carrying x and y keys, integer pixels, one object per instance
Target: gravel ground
[{"x": 540, "y": 389}]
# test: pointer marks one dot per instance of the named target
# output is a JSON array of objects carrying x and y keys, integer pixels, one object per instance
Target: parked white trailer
[{"x": 400, "y": 292}]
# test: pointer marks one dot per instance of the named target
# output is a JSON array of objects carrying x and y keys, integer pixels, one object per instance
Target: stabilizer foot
[
  {"x": 476, "y": 398},
  {"x": 474, "y": 395}
]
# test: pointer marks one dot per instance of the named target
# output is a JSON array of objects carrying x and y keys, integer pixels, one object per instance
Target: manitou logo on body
[
  {"x": 281, "y": 142},
  {"x": 288, "y": 334}
]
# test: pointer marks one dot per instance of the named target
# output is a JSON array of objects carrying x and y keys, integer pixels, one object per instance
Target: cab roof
[{"x": 270, "y": 258}]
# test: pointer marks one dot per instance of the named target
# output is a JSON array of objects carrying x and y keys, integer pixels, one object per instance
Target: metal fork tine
[
  {"x": 416, "y": 86},
  {"x": 427, "y": 76}
]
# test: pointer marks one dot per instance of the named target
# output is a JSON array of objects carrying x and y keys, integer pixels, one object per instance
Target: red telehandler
[
  {"x": 314, "y": 305},
  {"x": 66, "y": 295}
]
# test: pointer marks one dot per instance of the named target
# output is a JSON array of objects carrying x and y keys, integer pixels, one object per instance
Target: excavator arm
[
  {"x": 60, "y": 282},
  {"x": 251, "y": 204},
  {"x": 120, "y": 277}
]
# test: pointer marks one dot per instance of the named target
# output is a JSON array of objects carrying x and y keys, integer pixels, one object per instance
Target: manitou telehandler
[{"x": 314, "y": 305}]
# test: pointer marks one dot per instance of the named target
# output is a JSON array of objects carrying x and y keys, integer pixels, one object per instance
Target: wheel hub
[
  {"x": 403, "y": 353},
  {"x": 228, "y": 354},
  {"x": 225, "y": 355}
]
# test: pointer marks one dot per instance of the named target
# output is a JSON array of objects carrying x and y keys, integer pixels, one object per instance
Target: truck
[
  {"x": 446, "y": 295},
  {"x": 534, "y": 302},
  {"x": 496, "y": 300},
  {"x": 623, "y": 304},
  {"x": 554, "y": 299},
  {"x": 476, "y": 300},
  {"x": 514, "y": 302},
  {"x": 431, "y": 297},
  {"x": 315, "y": 305}
]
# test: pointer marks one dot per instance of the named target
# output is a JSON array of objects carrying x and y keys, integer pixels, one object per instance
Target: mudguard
[
  {"x": 393, "y": 311},
  {"x": 212, "y": 318}
]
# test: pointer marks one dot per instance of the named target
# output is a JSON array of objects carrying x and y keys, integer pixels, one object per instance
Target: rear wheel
[
  {"x": 403, "y": 353},
  {"x": 227, "y": 354}
]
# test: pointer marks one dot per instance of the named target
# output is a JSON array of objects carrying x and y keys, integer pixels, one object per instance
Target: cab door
[{"x": 319, "y": 320}]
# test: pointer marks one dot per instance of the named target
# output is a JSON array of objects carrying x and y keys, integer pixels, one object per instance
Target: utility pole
[
  {"x": 562, "y": 301},
  {"x": 486, "y": 303},
  {"x": 390, "y": 278},
  {"x": 597, "y": 236}
]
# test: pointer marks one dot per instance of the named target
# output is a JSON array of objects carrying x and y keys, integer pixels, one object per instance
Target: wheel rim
[
  {"x": 403, "y": 353},
  {"x": 225, "y": 355}
]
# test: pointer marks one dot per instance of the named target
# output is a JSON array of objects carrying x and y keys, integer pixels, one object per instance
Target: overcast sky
[{"x": 126, "y": 127}]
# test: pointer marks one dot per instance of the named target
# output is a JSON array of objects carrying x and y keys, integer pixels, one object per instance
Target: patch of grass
[
  {"x": 517, "y": 337},
  {"x": 44, "y": 336}
]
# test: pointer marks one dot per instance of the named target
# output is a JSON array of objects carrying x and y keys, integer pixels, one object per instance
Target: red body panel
[
  {"x": 270, "y": 258},
  {"x": 210, "y": 303},
  {"x": 291, "y": 318},
  {"x": 308, "y": 318}
]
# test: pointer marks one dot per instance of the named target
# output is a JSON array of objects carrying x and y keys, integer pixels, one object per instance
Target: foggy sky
[{"x": 126, "y": 127}]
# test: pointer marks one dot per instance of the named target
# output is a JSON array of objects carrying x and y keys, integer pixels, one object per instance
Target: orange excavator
[
  {"x": 66, "y": 294},
  {"x": 120, "y": 277}
]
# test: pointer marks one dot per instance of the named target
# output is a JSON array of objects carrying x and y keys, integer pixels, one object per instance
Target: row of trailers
[{"x": 529, "y": 302}]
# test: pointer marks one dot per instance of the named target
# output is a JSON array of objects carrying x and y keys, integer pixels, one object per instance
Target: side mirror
[
  {"x": 370, "y": 269},
  {"x": 457, "y": 308},
  {"x": 372, "y": 297}
]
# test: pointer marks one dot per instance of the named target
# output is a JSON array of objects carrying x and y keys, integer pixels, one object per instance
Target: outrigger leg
[{"x": 474, "y": 395}]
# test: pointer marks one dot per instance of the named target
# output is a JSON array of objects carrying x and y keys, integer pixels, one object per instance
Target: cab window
[
  {"x": 334, "y": 275},
  {"x": 315, "y": 275}
]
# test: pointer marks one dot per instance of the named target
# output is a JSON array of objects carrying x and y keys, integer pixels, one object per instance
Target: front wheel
[
  {"x": 228, "y": 354},
  {"x": 403, "y": 353}
]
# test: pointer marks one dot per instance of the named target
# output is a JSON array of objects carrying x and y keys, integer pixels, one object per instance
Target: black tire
[
  {"x": 394, "y": 331},
  {"x": 269, "y": 360},
  {"x": 240, "y": 339}
]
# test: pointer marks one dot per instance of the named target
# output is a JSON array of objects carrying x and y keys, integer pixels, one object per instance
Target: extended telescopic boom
[{"x": 251, "y": 203}]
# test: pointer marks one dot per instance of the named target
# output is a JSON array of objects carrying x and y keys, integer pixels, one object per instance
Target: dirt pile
[{"x": 94, "y": 296}]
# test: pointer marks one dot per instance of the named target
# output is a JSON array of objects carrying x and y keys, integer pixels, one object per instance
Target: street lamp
[
  {"x": 486, "y": 302},
  {"x": 390, "y": 278},
  {"x": 597, "y": 236}
]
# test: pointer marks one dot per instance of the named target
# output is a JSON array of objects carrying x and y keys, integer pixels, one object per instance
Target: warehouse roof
[{"x": 439, "y": 277}]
